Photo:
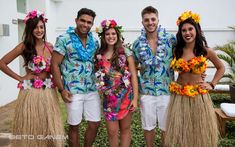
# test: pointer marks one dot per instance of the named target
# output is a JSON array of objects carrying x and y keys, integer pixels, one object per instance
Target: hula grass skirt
[
  {"x": 37, "y": 116},
  {"x": 191, "y": 122}
]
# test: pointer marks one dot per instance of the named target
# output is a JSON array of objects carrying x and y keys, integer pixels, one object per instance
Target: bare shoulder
[
  {"x": 20, "y": 46},
  {"x": 49, "y": 44},
  {"x": 210, "y": 52}
]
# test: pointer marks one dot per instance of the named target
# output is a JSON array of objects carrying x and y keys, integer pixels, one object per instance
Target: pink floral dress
[{"x": 114, "y": 87}]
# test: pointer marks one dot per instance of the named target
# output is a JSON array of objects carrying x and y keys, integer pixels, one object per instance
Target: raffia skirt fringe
[
  {"x": 37, "y": 121},
  {"x": 191, "y": 122}
]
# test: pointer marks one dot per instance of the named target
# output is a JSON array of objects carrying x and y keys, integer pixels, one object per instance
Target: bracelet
[
  {"x": 60, "y": 90},
  {"x": 212, "y": 85}
]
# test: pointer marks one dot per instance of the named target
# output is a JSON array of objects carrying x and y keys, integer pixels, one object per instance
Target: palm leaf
[
  {"x": 230, "y": 77},
  {"x": 228, "y": 49},
  {"x": 227, "y": 59},
  {"x": 227, "y": 54}
]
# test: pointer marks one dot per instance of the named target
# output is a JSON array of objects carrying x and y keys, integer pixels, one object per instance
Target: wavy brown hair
[
  {"x": 200, "y": 40},
  {"x": 29, "y": 39},
  {"x": 118, "y": 48}
]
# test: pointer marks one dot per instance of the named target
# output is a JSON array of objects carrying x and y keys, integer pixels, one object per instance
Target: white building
[{"x": 216, "y": 16}]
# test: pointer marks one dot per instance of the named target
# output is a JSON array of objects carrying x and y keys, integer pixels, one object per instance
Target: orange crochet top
[{"x": 195, "y": 65}]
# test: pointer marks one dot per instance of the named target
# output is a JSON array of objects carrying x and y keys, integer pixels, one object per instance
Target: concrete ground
[{"x": 6, "y": 117}]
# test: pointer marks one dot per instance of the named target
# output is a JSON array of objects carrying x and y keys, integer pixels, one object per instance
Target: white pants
[
  {"x": 87, "y": 105},
  {"x": 154, "y": 110}
]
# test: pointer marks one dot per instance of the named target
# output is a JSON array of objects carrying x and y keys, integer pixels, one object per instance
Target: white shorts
[
  {"x": 154, "y": 109},
  {"x": 87, "y": 105}
]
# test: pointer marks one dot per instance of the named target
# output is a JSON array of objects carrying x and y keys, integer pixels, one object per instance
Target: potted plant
[{"x": 227, "y": 54}]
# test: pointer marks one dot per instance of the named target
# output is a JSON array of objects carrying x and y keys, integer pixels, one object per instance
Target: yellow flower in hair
[
  {"x": 98, "y": 29},
  {"x": 196, "y": 17},
  {"x": 107, "y": 23},
  {"x": 187, "y": 15}
]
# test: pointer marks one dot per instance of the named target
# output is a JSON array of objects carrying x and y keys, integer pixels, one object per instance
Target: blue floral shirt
[
  {"x": 155, "y": 73},
  {"x": 77, "y": 67}
]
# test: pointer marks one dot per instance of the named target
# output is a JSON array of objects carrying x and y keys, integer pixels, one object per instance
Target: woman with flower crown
[
  {"x": 37, "y": 116},
  {"x": 116, "y": 82},
  {"x": 191, "y": 118}
]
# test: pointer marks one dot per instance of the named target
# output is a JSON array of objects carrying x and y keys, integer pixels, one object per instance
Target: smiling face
[
  {"x": 111, "y": 37},
  {"x": 39, "y": 30},
  {"x": 84, "y": 24},
  {"x": 188, "y": 32},
  {"x": 150, "y": 22}
]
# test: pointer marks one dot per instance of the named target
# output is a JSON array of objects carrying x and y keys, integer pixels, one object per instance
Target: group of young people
[{"x": 86, "y": 73}]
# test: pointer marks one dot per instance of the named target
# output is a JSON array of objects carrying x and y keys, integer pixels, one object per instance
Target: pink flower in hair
[
  {"x": 103, "y": 23},
  {"x": 113, "y": 23},
  {"x": 106, "y": 24},
  {"x": 33, "y": 14}
]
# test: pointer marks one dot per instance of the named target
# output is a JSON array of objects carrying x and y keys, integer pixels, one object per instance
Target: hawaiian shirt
[
  {"x": 155, "y": 73},
  {"x": 77, "y": 67}
]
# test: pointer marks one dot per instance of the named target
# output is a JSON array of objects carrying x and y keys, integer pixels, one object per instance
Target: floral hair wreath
[
  {"x": 106, "y": 24},
  {"x": 33, "y": 14},
  {"x": 187, "y": 15}
]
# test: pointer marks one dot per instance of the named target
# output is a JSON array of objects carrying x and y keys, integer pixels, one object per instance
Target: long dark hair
[
  {"x": 118, "y": 48},
  {"x": 200, "y": 40},
  {"x": 29, "y": 39}
]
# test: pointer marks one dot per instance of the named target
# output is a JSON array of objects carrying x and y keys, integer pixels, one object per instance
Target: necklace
[{"x": 40, "y": 49}]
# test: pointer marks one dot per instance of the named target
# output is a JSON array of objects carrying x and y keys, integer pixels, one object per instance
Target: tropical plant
[{"x": 227, "y": 54}]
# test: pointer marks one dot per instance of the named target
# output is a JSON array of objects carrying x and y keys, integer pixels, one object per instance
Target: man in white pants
[
  {"x": 72, "y": 60},
  {"x": 153, "y": 52}
]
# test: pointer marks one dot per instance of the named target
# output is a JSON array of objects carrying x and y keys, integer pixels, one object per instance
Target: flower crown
[
  {"x": 187, "y": 15},
  {"x": 33, "y": 14},
  {"x": 106, "y": 24}
]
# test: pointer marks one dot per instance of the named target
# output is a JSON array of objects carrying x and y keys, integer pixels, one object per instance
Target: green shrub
[{"x": 138, "y": 134}]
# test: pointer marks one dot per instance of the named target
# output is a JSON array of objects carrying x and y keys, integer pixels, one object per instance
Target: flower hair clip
[
  {"x": 33, "y": 14},
  {"x": 187, "y": 15},
  {"x": 106, "y": 24}
]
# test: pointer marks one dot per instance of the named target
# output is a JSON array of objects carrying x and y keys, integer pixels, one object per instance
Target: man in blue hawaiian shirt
[
  {"x": 153, "y": 52},
  {"x": 72, "y": 60}
]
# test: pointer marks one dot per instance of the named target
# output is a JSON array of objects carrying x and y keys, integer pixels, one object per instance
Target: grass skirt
[
  {"x": 37, "y": 116},
  {"x": 191, "y": 122}
]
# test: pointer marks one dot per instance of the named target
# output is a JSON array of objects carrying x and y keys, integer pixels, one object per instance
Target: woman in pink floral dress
[{"x": 117, "y": 83}]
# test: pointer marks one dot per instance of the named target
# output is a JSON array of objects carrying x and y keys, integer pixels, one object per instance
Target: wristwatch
[
  {"x": 212, "y": 85},
  {"x": 60, "y": 90}
]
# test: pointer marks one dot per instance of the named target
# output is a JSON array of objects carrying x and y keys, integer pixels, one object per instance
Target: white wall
[
  {"x": 8, "y": 90},
  {"x": 51, "y": 15},
  {"x": 36, "y": 5},
  {"x": 216, "y": 15}
]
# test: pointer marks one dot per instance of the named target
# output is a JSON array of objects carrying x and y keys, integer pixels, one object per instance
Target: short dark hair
[
  {"x": 86, "y": 11},
  {"x": 149, "y": 9}
]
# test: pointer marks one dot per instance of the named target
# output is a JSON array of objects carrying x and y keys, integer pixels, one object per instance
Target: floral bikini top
[
  {"x": 195, "y": 65},
  {"x": 38, "y": 65}
]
